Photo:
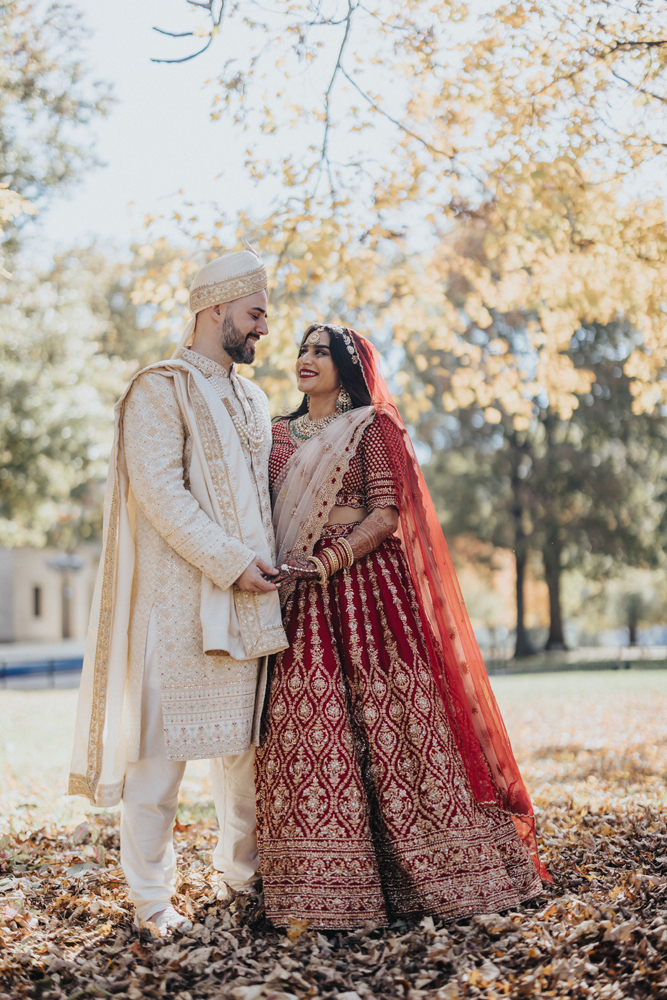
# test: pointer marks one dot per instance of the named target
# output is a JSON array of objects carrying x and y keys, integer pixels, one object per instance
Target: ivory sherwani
[
  {"x": 185, "y": 533},
  {"x": 207, "y": 701}
]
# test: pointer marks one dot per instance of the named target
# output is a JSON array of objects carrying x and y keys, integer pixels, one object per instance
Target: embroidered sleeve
[
  {"x": 281, "y": 451},
  {"x": 154, "y": 439},
  {"x": 378, "y": 481}
]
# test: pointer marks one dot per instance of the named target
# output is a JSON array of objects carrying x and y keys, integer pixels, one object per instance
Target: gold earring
[{"x": 344, "y": 401}]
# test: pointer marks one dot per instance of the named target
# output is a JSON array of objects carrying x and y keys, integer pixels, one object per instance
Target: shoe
[{"x": 166, "y": 922}]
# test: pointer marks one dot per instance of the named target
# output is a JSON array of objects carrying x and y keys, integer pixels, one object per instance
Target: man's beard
[{"x": 235, "y": 343}]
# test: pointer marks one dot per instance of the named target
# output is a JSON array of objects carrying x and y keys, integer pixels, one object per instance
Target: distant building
[{"x": 45, "y": 595}]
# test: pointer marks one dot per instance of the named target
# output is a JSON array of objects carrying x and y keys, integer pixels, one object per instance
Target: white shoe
[{"x": 166, "y": 922}]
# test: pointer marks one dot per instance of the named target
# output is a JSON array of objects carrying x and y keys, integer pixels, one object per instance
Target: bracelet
[
  {"x": 336, "y": 557},
  {"x": 326, "y": 562},
  {"x": 332, "y": 556},
  {"x": 319, "y": 566},
  {"x": 347, "y": 548}
]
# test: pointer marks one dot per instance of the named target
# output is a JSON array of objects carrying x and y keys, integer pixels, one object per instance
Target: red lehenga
[{"x": 377, "y": 796}]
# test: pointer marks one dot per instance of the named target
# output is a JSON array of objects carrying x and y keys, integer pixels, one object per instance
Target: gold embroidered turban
[{"x": 223, "y": 280}]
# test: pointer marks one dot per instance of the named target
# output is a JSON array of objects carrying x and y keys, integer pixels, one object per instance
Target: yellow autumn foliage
[{"x": 451, "y": 173}]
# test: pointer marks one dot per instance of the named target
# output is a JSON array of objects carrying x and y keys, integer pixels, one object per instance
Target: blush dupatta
[
  {"x": 306, "y": 491},
  {"x": 303, "y": 500}
]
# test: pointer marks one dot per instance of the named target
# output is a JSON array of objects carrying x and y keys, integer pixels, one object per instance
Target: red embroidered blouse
[{"x": 368, "y": 481}]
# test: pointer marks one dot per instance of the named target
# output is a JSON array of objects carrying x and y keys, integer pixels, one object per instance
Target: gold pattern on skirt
[{"x": 365, "y": 812}]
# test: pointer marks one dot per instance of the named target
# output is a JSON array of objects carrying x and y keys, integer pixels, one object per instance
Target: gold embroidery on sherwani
[
  {"x": 247, "y": 604},
  {"x": 78, "y": 784},
  {"x": 208, "y": 701},
  {"x": 165, "y": 550}
]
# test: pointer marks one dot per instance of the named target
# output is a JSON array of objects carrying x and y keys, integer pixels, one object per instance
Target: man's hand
[{"x": 253, "y": 578}]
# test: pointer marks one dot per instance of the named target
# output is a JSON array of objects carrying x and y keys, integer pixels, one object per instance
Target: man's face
[{"x": 244, "y": 323}]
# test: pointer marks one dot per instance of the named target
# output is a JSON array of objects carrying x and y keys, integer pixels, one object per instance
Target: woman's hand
[{"x": 295, "y": 569}]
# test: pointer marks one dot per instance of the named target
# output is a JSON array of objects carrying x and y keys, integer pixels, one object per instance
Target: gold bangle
[
  {"x": 326, "y": 566},
  {"x": 319, "y": 566},
  {"x": 333, "y": 558},
  {"x": 341, "y": 555},
  {"x": 348, "y": 551}
]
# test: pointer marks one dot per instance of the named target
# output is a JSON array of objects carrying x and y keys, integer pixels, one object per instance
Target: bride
[{"x": 386, "y": 782}]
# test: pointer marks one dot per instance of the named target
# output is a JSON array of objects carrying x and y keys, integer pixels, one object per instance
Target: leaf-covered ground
[{"x": 593, "y": 748}]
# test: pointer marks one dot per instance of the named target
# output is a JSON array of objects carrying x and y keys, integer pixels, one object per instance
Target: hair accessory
[
  {"x": 314, "y": 337},
  {"x": 349, "y": 343},
  {"x": 344, "y": 401}
]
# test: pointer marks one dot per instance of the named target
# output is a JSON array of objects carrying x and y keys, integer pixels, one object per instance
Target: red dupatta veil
[{"x": 456, "y": 660}]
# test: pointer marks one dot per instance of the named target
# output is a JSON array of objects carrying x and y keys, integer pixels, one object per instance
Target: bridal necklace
[{"x": 303, "y": 428}]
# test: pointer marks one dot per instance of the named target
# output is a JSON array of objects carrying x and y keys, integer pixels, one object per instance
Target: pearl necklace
[
  {"x": 249, "y": 431},
  {"x": 303, "y": 428},
  {"x": 254, "y": 435}
]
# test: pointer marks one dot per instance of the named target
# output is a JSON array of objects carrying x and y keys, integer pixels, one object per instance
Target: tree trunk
[
  {"x": 552, "y": 569},
  {"x": 522, "y": 647}
]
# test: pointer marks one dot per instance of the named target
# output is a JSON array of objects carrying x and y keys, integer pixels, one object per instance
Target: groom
[{"x": 183, "y": 611}]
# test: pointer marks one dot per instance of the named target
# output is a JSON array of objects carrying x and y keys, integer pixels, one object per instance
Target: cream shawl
[{"x": 242, "y": 624}]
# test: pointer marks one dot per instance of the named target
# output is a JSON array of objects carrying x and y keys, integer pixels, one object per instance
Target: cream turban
[{"x": 222, "y": 280}]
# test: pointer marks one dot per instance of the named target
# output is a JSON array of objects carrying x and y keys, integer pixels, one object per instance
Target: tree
[
  {"x": 56, "y": 394},
  {"x": 54, "y": 390},
  {"x": 45, "y": 99},
  {"x": 588, "y": 491},
  {"x": 425, "y": 110}
]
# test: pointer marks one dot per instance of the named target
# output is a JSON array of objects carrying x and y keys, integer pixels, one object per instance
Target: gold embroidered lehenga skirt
[{"x": 365, "y": 811}]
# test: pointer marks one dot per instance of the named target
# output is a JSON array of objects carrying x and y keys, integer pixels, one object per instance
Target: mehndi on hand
[{"x": 294, "y": 569}]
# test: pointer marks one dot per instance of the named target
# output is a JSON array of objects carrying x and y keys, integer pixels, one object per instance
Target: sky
[{"x": 158, "y": 138}]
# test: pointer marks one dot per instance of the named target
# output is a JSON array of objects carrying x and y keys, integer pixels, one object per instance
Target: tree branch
[
  {"x": 174, "y": 34},
  {"x": 324, "y": 158},
  {"x": 385, "y": 114},
  {"x": 185, "y": 58},
  {"x": 641, "y": 90},
  {"x": 189, "y": 34}
]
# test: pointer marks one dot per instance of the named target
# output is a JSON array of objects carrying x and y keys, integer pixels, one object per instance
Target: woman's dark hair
[{"x": 351, "y": 375}]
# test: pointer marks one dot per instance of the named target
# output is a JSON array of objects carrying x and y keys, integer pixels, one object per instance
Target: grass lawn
[
  {"x": 592, "y": 747},
  {"x": 577, "y": 736},
  {"x": 36, "y": 731}
]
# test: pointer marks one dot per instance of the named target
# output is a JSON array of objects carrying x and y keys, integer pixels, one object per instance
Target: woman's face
[{"x": 316, "y": 373}]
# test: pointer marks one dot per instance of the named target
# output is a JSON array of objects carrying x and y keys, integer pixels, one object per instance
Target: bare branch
[
  {"x": 189, "y": 34},
  {"x": 174, "y": 34},
  {"x": 185, "y": 58},
  {"x": 641, "y": 90},
  {"x": 327, "y": 97},
  {"x": 658, "y": 43},
  {"x": 400, "y": 125}
]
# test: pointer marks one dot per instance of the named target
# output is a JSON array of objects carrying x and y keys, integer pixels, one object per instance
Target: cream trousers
[{"x": 150, "y": 798}]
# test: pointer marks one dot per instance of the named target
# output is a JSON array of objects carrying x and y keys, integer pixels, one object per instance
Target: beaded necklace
[
  {"x": 250, "y": 431},
  {"x": 303, "y": 428}
]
